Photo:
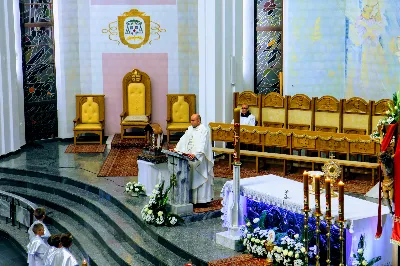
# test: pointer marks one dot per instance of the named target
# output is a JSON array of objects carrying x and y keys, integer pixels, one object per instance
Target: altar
[{"x": 283, "y": 200}]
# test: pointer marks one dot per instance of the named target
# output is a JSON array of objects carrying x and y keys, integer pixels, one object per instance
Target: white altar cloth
[
  {"x": 150, "y": 174},
  {"x": 361, "y": 215}
]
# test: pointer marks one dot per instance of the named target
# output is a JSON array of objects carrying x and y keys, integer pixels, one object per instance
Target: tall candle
[
  {"x": 306, "y": 191},
  {"x": 328, "y": 195},
  {"x": 317, "y": 194},
  {"x": 236, "y": 118},
  {"x": 341, "y": 200}
]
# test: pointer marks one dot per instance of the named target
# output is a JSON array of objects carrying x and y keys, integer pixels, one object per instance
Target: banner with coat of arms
[{"x": 135, "y": 29}]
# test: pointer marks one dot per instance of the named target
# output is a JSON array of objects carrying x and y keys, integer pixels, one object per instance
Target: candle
[
  {"x": 306, "y": 190},
  {"x": 84, "y": 263},
  {"x": 328, "y": 197},
  {"x": 341, "y": 201},
  {"x": 236, "y": 115},
  {"x": 317, "y": 194}
]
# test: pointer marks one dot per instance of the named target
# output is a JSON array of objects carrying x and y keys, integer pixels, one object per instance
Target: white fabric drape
[{"x": 12, "y": 122}]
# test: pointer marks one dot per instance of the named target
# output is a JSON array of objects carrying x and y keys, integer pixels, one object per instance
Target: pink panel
[
  {"x": 133, "y": 2},
  {"x": 115, "y": 66}
]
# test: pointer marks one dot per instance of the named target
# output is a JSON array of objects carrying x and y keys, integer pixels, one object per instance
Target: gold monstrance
[{"x": 332, "y": 171}]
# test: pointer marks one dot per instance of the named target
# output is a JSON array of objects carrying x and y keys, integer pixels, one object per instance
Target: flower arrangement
[
  {"x": 155, "y": 212},
  {"x": 359, "y": 258},
  {"x": 135, "y": 188},
  {"x": 289, "y": 251},
  {"x": 392, "y": 116},
  {"x": 254, "y": 237}
]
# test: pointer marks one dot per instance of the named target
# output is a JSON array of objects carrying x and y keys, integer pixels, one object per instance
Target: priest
[
  {"x": 246, "y": 118},
  {"x": 196, "y": 144}
]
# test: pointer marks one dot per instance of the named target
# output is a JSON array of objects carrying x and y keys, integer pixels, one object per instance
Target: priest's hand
[{"x": 191, "y": 156}]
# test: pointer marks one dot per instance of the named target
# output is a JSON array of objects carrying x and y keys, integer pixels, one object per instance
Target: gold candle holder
[
  {"x": 84, "y": 263},
  {"x": 305, "y": 233},
  {"x": 317, "y": 234},
  {"x": 328, "y": 244},
  {"x": 342, "y": 244}
]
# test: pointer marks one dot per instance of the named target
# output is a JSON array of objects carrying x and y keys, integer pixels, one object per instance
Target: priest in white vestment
[
  {"x": 246, "y": 118},
  {"x": 196, "y": 144}
]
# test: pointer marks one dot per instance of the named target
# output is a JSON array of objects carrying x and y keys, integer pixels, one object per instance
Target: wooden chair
[
  {"x": 379, "y": 109},
  {"x": 300, "y": 112},
  {"x": 89, "y": 116},
  {"x": 327, "y": 112},
  {"x": 356, "y": 116},
  {"x": 273, "y": 110},
  {"x": 180, "y": 107},
  {"x": 252, "y": 100},
  {"x": 136, "y": 102}
]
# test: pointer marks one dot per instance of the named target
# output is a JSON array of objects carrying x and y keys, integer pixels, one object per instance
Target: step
[{"x": 124, "y": 225}]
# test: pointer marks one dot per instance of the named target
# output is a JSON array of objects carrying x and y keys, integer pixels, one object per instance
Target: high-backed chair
[
  {"x": 273, "y": 110},
  {"x": 356, "y": 116},
  {"x": 300, "y": 112},
  {"x": 180, "y": 107},
  {"x": 379, "y": 109},
  {"x": 327, "y": 114},
  {"x": 89, "y": 116},
  {"x": 252, "y": 100},
  {"x": 136, "y": 102}
]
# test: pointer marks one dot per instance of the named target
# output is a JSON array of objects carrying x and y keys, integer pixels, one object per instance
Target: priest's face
[
  {"x": 245, "y": 108},
  {"x": 195, "y": 120}
]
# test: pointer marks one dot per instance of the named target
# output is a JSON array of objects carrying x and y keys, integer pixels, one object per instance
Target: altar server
[
  {"x": 63, "y": 256},
  {"x": 54, "y": 242},
  {"x": 246, "y": 118},
  {"x": 40, "y": 214},
  {"x": 196, "y": 143},
  {"x": 36, "y": 247}
]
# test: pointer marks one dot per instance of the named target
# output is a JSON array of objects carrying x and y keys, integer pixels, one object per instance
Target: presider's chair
[
  {"x": 136, "y": 102},
  {"x": 180, "y": 107},
  {"x": 89, "y": 116}
]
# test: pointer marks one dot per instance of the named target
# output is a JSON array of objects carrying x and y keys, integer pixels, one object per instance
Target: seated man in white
[
  {"x": 246, "y": 118},
  {"x": 196, "y": 143}
]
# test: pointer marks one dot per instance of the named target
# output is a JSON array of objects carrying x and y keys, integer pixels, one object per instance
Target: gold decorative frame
[{"x": 134, "y": 13}]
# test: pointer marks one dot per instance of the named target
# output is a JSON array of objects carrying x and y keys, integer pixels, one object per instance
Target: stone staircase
[{"x": 105, "y": 232}]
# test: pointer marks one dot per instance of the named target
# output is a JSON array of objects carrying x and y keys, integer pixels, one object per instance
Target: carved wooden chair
[
  {"x": 379, "y": 109},
  {"x": 327, "y": 111},
  {"x": 136, "y": 102},
  {"x": 89, "y": 116},
  {"x": 273, "y": 110},
  {"x": 300, "y": 112},
  {"x": 252, "y": 100},
  {"x": 356, "y": 116},
  {"x": 180, "y": 107}
]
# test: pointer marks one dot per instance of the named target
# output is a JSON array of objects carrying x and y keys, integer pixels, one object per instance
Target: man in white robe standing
[{"x": 196, "y": 144}]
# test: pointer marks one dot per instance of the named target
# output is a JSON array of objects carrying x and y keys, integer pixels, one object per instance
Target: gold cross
[{"x": 331, "y": 156}]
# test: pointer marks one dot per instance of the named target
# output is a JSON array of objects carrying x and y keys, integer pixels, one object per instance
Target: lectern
[{"x": 179, "y": 170}]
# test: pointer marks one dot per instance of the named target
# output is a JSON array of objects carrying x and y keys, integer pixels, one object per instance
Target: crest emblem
[{"x": 134, "y": 28}]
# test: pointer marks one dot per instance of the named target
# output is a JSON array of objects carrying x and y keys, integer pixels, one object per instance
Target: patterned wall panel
[
  {"x": 268, "y": 46},
  {"x": 40, "y": 98}
]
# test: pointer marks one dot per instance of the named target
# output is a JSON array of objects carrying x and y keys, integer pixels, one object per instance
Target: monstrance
[{"x": 332, "y": 171}]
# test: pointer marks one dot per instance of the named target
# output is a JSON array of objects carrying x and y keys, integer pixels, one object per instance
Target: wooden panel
[
  {"x": 326, "y": 129},
  {"x": 363, "y": 148},
  {"x": 273, "y": 124},
  {"x": 247, "y": 97},
  {"x": 332, "y": 145},
  {"x": 278, "y": 140},
  {"x": 250, "y": 138},
  {"x": 327, "y": 104},
  {"x": 273, "y": 99},
  {"x": 355, "y": 105},
  {"x": 304, "y": 143},
  {"x": 299, "y": 126},
  {"x": 222, "y": 135},
  {"x": 357, "y": 131},
  {"x": 300, "y": 101}
]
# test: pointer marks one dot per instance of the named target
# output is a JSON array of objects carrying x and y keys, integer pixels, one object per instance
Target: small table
[{"x": 151, "y": 174}]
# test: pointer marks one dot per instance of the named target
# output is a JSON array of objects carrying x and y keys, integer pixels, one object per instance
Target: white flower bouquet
[
  {"x": 155, "y": 212},
  {"x": 135, "y": 189},
  {"x": 359, "y": 259},
  {"x": 289, "y": 251},
  {"x": 255, "y": 237},
  {"x": 392, "y": 116}
]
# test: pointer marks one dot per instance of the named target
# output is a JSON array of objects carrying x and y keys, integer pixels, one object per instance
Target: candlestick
[
  {"x": 328, "y": 197},
  {"x": 306, "y": 190},
  {"x": 342, "y": 244},
  {"x": 236, "y": 145},
  {"x": 341, "y": 201},
  {"x": 317, "y": 178}
]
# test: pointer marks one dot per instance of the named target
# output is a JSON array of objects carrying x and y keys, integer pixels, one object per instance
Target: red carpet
[
  {"x": 85, "y": 148},
  {"x": 241, "y": 260}
]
